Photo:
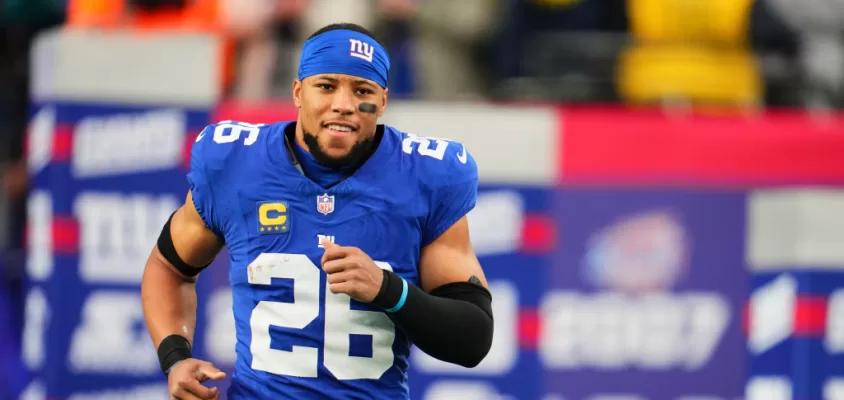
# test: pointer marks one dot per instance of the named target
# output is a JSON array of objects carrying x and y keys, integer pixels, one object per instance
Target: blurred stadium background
[{"x": 661, "y": 217}]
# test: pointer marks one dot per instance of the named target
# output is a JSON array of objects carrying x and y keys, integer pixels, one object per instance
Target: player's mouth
[{"x": 339, "y": 129}]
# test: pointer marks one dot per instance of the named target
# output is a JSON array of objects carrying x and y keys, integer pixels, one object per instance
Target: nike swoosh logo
[
  {"x": 462, "y": 156},
  {"x": 201, "y": 135}
]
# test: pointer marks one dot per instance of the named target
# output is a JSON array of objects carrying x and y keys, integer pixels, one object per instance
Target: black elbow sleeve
[
  {"x": 479, "y": 327},
  {"x": 453, "y": 323}
]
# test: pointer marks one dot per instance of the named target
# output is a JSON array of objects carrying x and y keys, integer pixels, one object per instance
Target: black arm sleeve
[{"x": 453, "y": 323}]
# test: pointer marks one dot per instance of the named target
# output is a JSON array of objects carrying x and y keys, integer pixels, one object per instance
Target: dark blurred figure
[
  {"x": 777, "y": 49},
  {"x": 819, "y": 29},
  {"x": 268, "y": 36},
  {"x": 447, "y": 43},
  {"x": 560, "y": 50},
  {"x": 20, "y": 22}
]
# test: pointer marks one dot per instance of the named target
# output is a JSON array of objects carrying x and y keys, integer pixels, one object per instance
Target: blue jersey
[{"x": 296, "y": 339}]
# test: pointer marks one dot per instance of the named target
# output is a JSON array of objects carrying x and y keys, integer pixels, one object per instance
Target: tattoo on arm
[{"x": 474, "y": 279}]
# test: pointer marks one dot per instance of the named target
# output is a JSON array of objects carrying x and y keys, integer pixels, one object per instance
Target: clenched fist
[{"x": 351, "y": 271}]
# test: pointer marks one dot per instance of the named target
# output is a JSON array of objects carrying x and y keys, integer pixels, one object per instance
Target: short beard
[{"x": 360, "y": 151}]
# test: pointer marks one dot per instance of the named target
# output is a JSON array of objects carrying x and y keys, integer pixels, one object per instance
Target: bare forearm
[{"x": 169, "y": 301}]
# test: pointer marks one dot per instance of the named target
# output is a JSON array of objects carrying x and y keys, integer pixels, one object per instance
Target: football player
[{"x": 348, "y": 242}]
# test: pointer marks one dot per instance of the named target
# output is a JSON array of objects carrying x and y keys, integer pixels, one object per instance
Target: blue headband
[{"x": 345, "y": 52}]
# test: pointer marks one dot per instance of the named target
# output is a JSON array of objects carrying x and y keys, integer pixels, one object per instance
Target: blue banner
[
  {"x": 105, "y": 180},
  {"x": 645, "y": 297},
  {"x": 796, "y": 342}
]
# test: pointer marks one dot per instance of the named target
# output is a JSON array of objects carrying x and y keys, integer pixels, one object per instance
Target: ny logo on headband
[{"x": 361, "y": 49}]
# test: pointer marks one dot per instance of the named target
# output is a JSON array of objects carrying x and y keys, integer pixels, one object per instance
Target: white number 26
[{"x": 340, "y": 322}]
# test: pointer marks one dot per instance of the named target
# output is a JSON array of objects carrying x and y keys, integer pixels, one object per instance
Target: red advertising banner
[{"x": 629, "y": 147}]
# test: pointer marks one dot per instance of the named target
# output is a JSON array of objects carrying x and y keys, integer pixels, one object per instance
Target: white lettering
[
  {"x": 495, "y": 224},
  {"x": 361, "y": 49},
  {"x": 34, "y": 391},
  {"x": 42, "y": 129},
  {"x": 37, "y": 313},
  {"x": 117, "y": 232},
  {"x": 768, "y": 388},
  {"x": 220, "y": 338},
  {"x": 631, "y": 396},
  {"x": 611, "y": 331},
  {"x": 145, "y": 392},
  {"x": 39, "y": 262},
  {"x": 321, "y": 238},
  {"x": 833, "y": 389},
  {"x": 771, "y": 313},
  {"x": 464, "y": 390},
  {"x": 700, "y": 397},
  {"x": 128, "y": 143},
  {"x": 110, "y": 339},
  {"x": 834, "y": 337}
]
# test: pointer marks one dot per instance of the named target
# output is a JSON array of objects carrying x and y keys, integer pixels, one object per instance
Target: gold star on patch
[
  {"x": 262, "y": 229},
  {"x": 276, "y": 228},
  {"x": 284, "y": 228}
]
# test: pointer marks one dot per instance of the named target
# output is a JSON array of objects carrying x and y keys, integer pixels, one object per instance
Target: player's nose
[{"x": 343, "y": 102}]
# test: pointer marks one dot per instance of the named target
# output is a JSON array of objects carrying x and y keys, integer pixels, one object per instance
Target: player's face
[{"x": 335, "y": 131}]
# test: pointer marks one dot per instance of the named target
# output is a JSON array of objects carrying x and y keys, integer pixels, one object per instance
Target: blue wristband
[{"x": 402, "y": 299}]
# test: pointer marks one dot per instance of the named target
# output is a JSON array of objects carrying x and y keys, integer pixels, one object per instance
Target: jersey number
[
  {"x": 424, "y": 148},
  {"x": 230, "y": 131},
  {"x": 340, "y": 323}
]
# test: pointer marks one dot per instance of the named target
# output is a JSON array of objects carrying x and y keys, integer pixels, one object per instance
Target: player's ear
[
  {"x": 383, "y": 102},
  {"x": 297, "y": 93}
]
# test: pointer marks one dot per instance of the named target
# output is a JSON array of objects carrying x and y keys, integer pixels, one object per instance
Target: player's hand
[
  {"x": 351, "y": 271},
  {"x": 185, "y": 380}
]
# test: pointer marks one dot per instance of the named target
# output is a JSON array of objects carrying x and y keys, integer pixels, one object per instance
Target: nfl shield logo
[{"x": 325, "y": 204}]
